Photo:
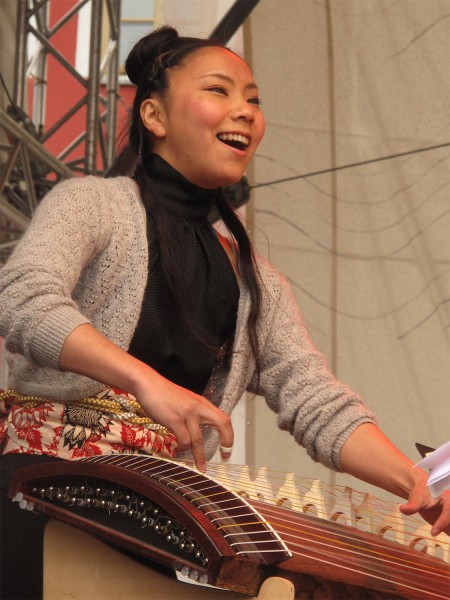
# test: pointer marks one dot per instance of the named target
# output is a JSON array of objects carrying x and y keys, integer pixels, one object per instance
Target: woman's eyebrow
[{"x": 251, "y": 85}]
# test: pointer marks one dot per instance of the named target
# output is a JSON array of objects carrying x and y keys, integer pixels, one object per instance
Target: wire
[
  {"x": 5, "y": 87},
  {"x": 350, "y": 165}
]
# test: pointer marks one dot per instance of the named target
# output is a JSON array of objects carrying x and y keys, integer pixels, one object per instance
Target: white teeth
[{"x": 234, "y": 137}]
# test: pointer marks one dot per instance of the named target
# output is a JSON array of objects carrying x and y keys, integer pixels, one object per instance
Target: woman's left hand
[
  {"x": 369, "y": 455},
  {"x": 435, "y": 511}
]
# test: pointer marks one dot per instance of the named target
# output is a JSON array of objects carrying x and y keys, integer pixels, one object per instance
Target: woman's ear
[{"x": 152, "y": 117}]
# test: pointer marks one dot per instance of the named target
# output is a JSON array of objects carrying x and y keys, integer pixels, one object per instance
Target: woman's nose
[{"x": 243, "y": 110}]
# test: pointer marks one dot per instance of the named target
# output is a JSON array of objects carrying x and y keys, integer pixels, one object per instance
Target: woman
[{"x": 122, "y": 308}]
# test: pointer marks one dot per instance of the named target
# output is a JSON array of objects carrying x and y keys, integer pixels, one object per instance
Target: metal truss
[
  {"x": 103, "y": 70},
  {"x": 27, "y": 169}
]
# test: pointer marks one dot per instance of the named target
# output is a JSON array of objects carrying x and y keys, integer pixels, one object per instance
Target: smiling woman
[{"x": 134, "y": 327}]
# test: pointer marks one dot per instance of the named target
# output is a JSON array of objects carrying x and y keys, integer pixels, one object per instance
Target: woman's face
[{"x": 209, "y": 123}]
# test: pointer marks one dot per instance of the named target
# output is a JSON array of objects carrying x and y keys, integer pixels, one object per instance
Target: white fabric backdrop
[{"x": 366, "y": 248}]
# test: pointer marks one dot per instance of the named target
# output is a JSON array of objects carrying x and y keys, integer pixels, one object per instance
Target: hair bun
[{"x": 147, "y": 50}]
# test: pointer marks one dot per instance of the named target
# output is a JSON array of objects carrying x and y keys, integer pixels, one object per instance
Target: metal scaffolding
[{"x": 27, "y": 169}]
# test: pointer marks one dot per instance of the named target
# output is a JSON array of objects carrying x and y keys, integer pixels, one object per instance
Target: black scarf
[{"x": 180, "y": 336}]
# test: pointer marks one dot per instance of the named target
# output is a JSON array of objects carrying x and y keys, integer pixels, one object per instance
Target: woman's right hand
[
  {"x": 87, "y": 352},
  {"x": 184, "y": 413}
]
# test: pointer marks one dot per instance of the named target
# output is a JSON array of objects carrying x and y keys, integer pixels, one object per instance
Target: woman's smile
[{"x": 238, "y": 141}]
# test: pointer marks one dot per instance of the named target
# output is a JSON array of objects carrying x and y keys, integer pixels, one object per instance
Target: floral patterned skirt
[{"x": 109, "y": 423}]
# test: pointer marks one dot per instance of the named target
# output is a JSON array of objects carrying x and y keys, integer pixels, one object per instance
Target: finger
[
  {"x": 198, "y": 454},
  {"x": 222, "y": 423},
  {"x": 183, "y": 443},
  {"x": 415, "y": 505},
  {"x": 197, "y": 448},
  {"x": 225, "y": 451},
  {"x": 442, "y": 525},
  {"x": 226, "y": 435}
]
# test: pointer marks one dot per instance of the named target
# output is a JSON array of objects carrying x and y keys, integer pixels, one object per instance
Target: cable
[{"x": 350, "y": 165}]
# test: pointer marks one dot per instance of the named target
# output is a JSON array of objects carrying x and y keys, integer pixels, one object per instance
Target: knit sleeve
[
  {"x": 319, "y": 411},
  {"x": 37, "y": 310}
]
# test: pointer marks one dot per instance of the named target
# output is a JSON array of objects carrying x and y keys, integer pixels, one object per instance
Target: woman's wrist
[
  {"x": 370, "y": 456},
  {"x": 142, "y": 380},
  {"x": 409, "y": 479}
]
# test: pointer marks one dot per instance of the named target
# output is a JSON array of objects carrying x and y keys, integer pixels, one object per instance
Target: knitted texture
[{"x": 84, "y": 260}]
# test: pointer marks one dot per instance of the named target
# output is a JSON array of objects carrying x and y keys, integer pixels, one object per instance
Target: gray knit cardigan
[{"x": 84, "y": 259}]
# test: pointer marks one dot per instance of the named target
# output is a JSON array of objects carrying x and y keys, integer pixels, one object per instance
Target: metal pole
[
  {"x": 40, "y": 84},
  {"x": 92, "y": 120},
  {"x": 113, "y": 82},
  {"x": 234, "y": 18},
  {"x": 21, "y": 55}
]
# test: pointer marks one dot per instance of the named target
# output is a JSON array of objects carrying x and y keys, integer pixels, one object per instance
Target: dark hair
[{"x": 146, "y": 67}]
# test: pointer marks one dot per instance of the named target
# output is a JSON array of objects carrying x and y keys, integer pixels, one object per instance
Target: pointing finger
[{"x": 197, "y": 448}]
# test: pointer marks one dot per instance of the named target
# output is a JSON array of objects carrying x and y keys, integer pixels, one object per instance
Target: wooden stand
[{"x": 80, "y": 567}]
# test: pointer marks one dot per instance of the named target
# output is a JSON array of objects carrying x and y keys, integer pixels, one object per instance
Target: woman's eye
[
  {"x": 219, "y": 89},
  {"x": 255, "y": 100}
]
